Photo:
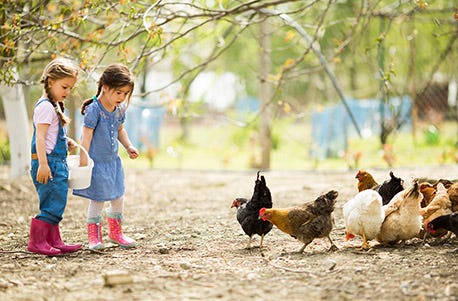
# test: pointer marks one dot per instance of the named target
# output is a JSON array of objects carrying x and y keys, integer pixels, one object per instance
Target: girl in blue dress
[
  {"x": 104, "y": 116},
  {"x": 49, "y": 170}
]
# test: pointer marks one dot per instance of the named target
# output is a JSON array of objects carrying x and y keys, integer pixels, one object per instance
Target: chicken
[
  {"x": 445, "y": 222},
  {"x": 363, "y": 215},
  {"x": 387, "y": 189},
  {"x": 453, "y": 195},
  {"x": 365, "y": 181},
  {"x": 428, "y": 191},
  {"x": 439, "y": 205},
  {"x": 248, "y": 211},
  {"x": 402, "y": 216},
  {"x": 390, "y": 188},
  {"x": 307, "y": 222}
]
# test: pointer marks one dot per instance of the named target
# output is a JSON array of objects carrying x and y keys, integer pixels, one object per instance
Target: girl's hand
[
  {"x": 132, "y": 151},
  {"x": 71, "y": 144},
  {"x": 43, "y": 174}
]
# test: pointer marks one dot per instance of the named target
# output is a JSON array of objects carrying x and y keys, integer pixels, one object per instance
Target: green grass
[{"x": 225, "y": 146}]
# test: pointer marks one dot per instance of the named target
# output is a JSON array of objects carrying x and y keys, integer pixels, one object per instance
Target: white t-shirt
[{"x": 45, "y": 113}]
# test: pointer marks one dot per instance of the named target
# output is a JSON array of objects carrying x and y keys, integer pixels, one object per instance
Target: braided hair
[
  {"x": 55, "y": 70},
  {"x": 114, "y": 76}
]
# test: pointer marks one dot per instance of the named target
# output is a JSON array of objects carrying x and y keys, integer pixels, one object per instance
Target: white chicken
[{"x": 364, "y": 215}]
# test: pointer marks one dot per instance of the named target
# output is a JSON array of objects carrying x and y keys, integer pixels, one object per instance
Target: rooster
[
  {"x": 402, "y": 216},
  {"x": 307, "y": 222},
  {"x": 447, "y": 222},
  {"x": 363, "y": 215},
  {"x": 248, "y": 211}
]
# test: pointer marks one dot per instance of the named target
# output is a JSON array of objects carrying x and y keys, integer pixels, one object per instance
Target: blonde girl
[{"x": 49, "y": 170}]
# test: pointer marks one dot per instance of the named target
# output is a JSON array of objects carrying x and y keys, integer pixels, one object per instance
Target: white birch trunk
[{"x": 18, "y": 128}]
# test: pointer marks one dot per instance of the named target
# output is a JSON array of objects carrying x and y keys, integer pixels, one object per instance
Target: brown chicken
[
  {"x": 453, "y": 195},
  {"x": 387, "y": 190},
  {"x": 428, "y": 191},
  {"x": 307, "y": 222},
  {"x": 439, "y": 205},
  {"x": 365, "y": 180},
  {"x": 402, "y": 216}
]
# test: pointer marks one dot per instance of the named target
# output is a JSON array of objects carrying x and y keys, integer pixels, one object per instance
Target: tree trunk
[
  {"x": 411, "y": 78},
  {"x": 265, "y": 94},
  {"x": 18, "y": 128}
]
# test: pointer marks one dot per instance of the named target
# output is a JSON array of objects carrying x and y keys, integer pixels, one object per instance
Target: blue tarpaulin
[{"x": 332, "y": 127}]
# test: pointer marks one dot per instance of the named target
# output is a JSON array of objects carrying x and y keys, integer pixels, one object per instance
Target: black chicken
[
  {"x": 248, "y": 211},
  {"x": 390, "y": 188},
  {"x": 448, "y": 222}
]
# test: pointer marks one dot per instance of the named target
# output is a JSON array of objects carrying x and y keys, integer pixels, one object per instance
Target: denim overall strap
[{"x": 53, "y": 195}]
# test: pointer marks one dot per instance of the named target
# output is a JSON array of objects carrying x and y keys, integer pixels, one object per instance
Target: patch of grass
[{"x": 212, "y": 147}]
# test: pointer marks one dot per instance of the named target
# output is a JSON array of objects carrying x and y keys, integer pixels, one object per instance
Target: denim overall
[{"x": 53, "y": 195}]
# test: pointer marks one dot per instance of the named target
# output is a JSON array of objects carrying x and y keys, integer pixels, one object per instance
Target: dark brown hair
[
  {"x": 55, "y": 70},
  {"x": 114, "y": 76}
]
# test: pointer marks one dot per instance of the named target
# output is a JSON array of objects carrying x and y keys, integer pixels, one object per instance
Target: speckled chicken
[
  {"x": 307, "y": 222},
  {"x": 402, "y": 216}
]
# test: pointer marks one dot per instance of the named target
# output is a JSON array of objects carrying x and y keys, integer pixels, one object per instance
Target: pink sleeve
[{"x": 44, "y": 113}]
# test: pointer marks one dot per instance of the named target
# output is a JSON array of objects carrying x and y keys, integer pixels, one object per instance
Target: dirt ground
[{"x": 192, "y": 248}]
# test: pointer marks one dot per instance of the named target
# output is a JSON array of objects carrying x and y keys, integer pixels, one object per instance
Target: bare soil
[{"x": 192, "y": 248}]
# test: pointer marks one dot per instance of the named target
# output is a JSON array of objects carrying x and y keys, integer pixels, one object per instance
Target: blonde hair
[
  {"x": 58, "y": 69},
  {"x": 114, "y": 76}
]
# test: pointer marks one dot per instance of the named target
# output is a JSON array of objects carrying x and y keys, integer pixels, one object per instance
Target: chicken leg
[
  {"x": 365, "y": 245},
  {"x": 262, "y": 240},
  {"x": 249, "y": 242},
  {"x": 333, "y": 247}
]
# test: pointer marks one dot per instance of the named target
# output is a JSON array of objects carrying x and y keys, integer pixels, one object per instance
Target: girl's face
[
  {"x": 61, "y": 88},
  {"x": 116, "y": 96}
]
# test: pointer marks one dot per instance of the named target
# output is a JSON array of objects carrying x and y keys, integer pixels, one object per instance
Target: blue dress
[{"x": 107, "y": 182}]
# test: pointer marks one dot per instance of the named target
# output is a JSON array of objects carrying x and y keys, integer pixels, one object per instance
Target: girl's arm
[
  {"x": 71, "y": 144},
  {"x": 44, "y": 172},
  {"x": 125, "y": 141},
  {"x": 86, "y": 140}
]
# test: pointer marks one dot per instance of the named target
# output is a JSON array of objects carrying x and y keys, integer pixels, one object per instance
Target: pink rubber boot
[
  {"x": 55, "y": 241},
  {"x": 115, "y": 231},
  {"x": 39, "y": 232},
  {"x": 94, "y": 233}
]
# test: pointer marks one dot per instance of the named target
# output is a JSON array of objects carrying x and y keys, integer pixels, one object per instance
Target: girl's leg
[
  {"x": 117, "y": 206},
  {"x": 94, "y": 225},
  {"x": 115, "y": 218}
]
